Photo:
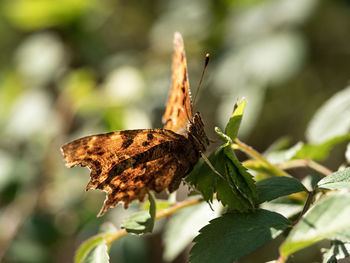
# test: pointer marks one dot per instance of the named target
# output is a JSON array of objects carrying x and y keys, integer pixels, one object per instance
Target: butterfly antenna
[{"x": 207, "y": 56}]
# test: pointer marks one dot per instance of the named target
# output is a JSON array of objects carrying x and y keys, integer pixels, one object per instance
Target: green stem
[
  {"x": 256, "y": 155},
  {"x": 306, "y": 206}
]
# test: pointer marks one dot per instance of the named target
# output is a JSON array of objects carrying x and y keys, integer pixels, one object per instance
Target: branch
[{"x": 305, "y": 163}]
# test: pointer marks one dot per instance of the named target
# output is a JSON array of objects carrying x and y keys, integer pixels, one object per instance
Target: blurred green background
[{"x": 70, "y": 68}]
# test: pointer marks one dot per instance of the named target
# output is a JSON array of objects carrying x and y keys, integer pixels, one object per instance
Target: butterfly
[{"x": 128, "y": 164}]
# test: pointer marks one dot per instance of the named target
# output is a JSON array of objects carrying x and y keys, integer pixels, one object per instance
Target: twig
[
  {"x": 256, "y": 155},
  {"x": 308, "y": 163}
]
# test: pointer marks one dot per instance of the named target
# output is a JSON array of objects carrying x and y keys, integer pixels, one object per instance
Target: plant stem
[
  {"x": 306, "y": 206},
  {"x": 110, "y": 238},
  {"x": 309, "y": 163},
  {"x": 256, "y": 155}
]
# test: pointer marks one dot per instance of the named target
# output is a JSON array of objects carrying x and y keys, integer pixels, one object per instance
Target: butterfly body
[{"x": 127, "y": 164}]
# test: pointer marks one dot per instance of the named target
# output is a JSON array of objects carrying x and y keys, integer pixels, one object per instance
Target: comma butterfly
[{"x": 127, "y": 164}]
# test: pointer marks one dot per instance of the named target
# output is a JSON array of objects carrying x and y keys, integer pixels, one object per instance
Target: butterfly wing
[
  {"x": 178, "y": 109},
  {"x": 127, "y": 164}
]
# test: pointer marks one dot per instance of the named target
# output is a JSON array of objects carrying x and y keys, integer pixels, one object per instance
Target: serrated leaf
[
  {"x": 277, "y": 186},
  {"x": 141, "y": 222},
  {"x": 235, "y": 235},
  {"x": 243, "y": 179},
  {"x": 87, "y": 246},
  {"x": 235, "y": 120},
  {"x": 235, "y": 187},
  {"x": 338, "y": 250},
  {"x": 337, "y": 180},
  {"x": 327, "y": 219},
  {"x": 203, "y": 178},
  {"x": 319, "y": 152},
  {"x": 284, "y": 155},
  {"x": 184, "y": 226},
  {"x": 332, "y": 119},
  {"x": 98, "y": 254}
]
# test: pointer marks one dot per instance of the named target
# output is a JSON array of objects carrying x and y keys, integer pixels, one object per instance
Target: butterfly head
[{"x": 197, "y": 133}]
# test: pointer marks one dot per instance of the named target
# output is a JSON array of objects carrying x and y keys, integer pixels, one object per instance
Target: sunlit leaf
[
  {"x": 235, "y": 119},
  {"x": 337, "y": 180},
  {"x": 98, "y": 254},
  {"x": 86, "y": 247},
  {"x": 319, "y": 152},
  {"x": 332, "y": 119},
  {"x": 327, "y": 219},
  {"x": 184, "y": 226},
  {"x": 141, "y": 222},
  {"x": 338, "y": 250}
]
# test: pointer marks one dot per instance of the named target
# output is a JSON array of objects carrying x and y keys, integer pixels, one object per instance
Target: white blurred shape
[
  {"x": 347, "y": 153},
  {"x": 331, "y": 119},
  {"x": 31, "y": 114},
  {"x": 270, "y": 15},
  {"x": 39, "y": 57},
  {"x": 190, "y": 18},
  {"x": 136, "y": 119},
  {"x": 125, "y": 84}
]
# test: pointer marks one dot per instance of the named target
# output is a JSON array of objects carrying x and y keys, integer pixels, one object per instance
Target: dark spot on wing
[
  {"x": 183, "y": 101},
  {"x": 100, "y": 153},
  {"x": 127, "y": 143},
  {"x": 183, "y": 88},
  {"x": 150, "y": 136},
  {"x": 145, "y": 143},
  {"x": 178, "y": 112}
]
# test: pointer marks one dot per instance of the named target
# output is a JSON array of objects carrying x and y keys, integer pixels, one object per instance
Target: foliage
[
  {"x": 241, "y": 227},
  {"x": 80, "y": 67}
]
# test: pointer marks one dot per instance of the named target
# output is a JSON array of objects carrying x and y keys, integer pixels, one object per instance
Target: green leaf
[
  {"x": 141, "y": 222},
  {"x": 339, "y": 250},
  {"x": 203, "y": 178},
  {"x": 319, "y": 152},
  {"x": 184, "y": 225},
  {"x": 235, "y": 235},
  {"x": 277, "y": 186},
  {"x": 235, "y": 187},
  {"x": 87, "y": 246},
  {"x": 98, "y": 254},
  {"x": 237, "y": 190},
  {"x": 235, "y": 119},
  {"x": 328, "y": 218},
  {"x": 332, "y": 119},
  {"x": 337, "y": 180}
]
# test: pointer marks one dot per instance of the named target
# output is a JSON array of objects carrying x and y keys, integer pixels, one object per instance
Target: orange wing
[
  {"x": 127, "y": 164},
  {"x": 178, "y": 110}
]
